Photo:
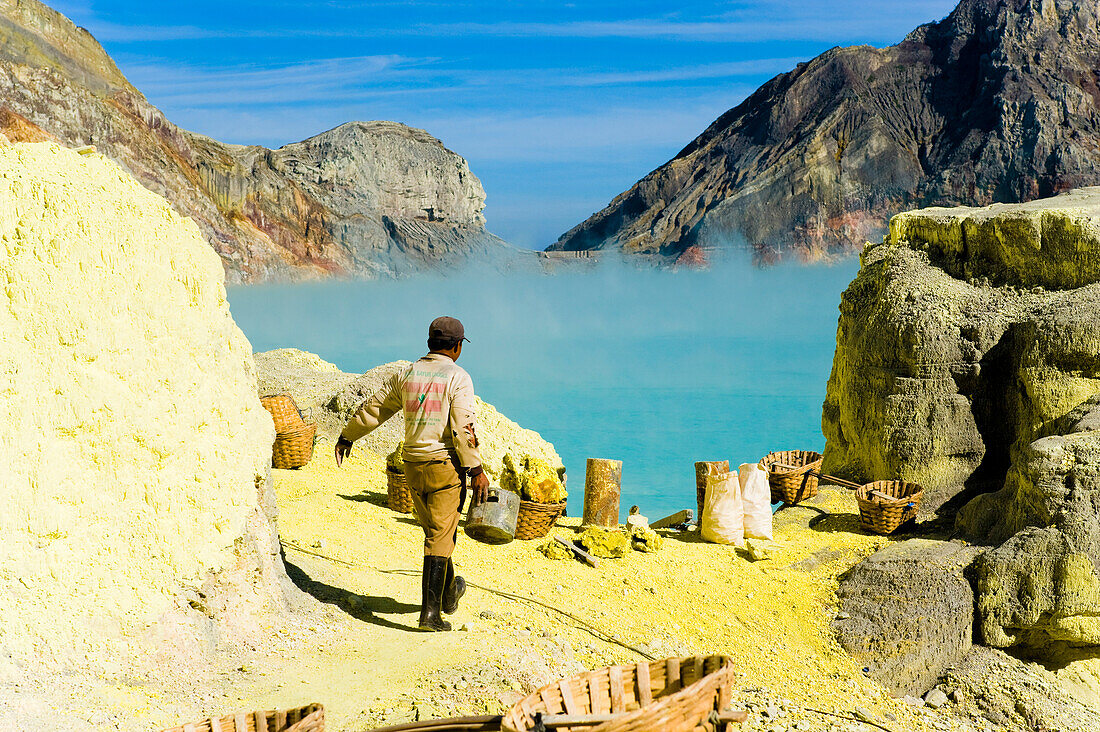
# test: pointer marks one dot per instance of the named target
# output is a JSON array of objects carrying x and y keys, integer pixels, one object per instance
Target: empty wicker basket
[
  {"x": 294, "y": 447},
  {"x": 398, "y": 496},
  {"x": 673, "y": 695},
  {"x": 536, "y": 519},
  {"x": 792, "y": 486},
  {"x": 887, "y": 504},
  {"x": 284, "y": 412},
  {"x": 310, "y": 718}
]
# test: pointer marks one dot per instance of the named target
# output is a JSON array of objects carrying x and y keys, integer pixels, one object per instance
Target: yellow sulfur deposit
[
  {"x": 534, "y": 480},
  {"x": 134, "y": 451}
]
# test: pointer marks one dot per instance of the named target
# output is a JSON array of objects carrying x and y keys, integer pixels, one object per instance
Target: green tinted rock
[{"x": 555, "y": 550}]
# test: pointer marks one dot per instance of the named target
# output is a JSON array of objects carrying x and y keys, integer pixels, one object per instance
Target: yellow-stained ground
[{"x": 771, "y": 615}]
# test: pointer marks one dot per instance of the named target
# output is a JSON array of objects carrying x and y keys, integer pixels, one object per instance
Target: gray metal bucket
[{"x": 494, "y": 521}]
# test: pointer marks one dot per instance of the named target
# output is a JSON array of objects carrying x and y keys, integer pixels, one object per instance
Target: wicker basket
[
  {"x": 536, "y": 519},
  {"x": 884, "y": 515},
  {"x": 399, "y": 498},
  {"x": 303, "y": 719},
  {"x": 673, "y": 695},
  {"x": 284, "y": 412},
  {"x": 293, "y": 448},
  {"x": 793, "y": 486}
]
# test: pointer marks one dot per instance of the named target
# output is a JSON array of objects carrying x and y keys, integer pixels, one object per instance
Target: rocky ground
[{"x": 351, "y": 644}]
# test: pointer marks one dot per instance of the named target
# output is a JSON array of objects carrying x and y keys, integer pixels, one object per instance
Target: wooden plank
[
  {"x": 672, "y": 673},
  {"x": 581, "y": 553},
  {"x": 680, "y": 517},
  {"x": 553, "y": 721},
  {"x": 280, "y": 720},
  {"x": 567, "y": 697},
  {"x": 551, "y": 702},
  {"x": 616, "y": 679},
  {"x": 596, "y": 696},
  {"x": 645, "y": 693},
  {"x": 697, "y": 668},
  {"x": 215, "y": 724},
  {"x": 240, "y": 722},
  {"x": 189, "y": 728}
]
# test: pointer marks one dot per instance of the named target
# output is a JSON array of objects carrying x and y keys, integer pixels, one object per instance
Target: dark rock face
[
  {"x": 909, "y": 612},
  {"x": 998, "y": 102},
  {"x": 374, "y": 198}
]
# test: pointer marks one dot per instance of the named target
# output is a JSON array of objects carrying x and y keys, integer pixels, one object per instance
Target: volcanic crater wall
[
  {"x": 968, "y": 360},
  {"x": 134, "y": 459}
]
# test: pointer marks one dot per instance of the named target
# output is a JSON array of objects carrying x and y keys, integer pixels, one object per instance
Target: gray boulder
[{"x": 907, "y": 612}]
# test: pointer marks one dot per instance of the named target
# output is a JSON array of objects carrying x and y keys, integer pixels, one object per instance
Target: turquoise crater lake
[{"x": 654, "y": 368}]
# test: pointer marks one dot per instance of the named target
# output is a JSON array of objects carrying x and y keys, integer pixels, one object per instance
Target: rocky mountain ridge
[
  {"x": 363, "y": 199},
  {"x": 998, "y": 102}
]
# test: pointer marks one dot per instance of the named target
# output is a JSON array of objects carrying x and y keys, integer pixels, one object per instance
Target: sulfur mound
[
  {"x": 134, "y": 453},
  {"x": 606, "y": 543}
]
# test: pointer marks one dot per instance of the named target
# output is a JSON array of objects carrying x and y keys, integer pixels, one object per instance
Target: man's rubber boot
[
  {"x": 456, "y": 588},
  {"x": 431, "y": 594}
]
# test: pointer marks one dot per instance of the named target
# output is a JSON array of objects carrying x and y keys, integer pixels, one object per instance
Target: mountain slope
[
  {"x": 374, "y": 198},
  {"x": 998, "y": 102}
]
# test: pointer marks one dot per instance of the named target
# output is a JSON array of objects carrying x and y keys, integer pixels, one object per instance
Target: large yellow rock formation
[{"x": 134, "y": 453}]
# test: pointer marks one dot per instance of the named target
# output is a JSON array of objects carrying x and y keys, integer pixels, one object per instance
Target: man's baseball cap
[{"x": 447, "y": 327}]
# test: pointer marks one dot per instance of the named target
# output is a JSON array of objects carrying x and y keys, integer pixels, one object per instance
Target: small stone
[
  {"x": 935, "y": 698},
  {"x": 756, "y": 550},
  {"x": 865, "y": 716},
  {"x": 637, "y": 520},
  {"x": 320, "y": 544},
  {"x": 486, "y": 615},
  {"x": 912, "y": 700},
  {"x": 771, "y": 712},
  {"x": 956, "y": 696},
  {"x": 842, "y": 615}
]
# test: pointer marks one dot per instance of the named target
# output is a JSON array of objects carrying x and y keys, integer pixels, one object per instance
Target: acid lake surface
[{"x": 658, "y": 369}]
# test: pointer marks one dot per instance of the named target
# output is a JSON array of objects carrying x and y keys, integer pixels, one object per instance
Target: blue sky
[{"x": 557, "y": 106}]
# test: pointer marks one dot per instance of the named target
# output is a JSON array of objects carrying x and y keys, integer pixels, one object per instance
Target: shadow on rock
[{"x": 360, "y": 607}]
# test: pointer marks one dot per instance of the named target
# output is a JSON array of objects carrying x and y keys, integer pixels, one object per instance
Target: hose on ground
[{"x": 583, "y": 624}]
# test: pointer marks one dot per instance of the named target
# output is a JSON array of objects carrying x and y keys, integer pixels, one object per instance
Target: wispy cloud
[
  {"x": 361, "y": 78},
  {"x": 748, "y": 22}
]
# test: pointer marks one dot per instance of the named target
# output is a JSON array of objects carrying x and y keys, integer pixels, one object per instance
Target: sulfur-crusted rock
[
  {"x": 604, "y": 542},
  {"x": 555, "y": 550},
  {"x": 138, "y": 517},
  {"x": 907, "y": 612},
  {"x": 1041, "y": 584},
  {"x": 942, "y": 380},
  {"x": 534, "y": 480},
  {"x": 645, "y": 539},
  {"x": 968, "y": 360}
]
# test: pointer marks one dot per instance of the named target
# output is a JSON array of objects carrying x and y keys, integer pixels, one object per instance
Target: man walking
[{"x": 440, "y": 453}]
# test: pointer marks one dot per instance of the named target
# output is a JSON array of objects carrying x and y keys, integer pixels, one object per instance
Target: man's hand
[
  {"x": 480, "y": 487},
  {"x": 343, "y": 449}
]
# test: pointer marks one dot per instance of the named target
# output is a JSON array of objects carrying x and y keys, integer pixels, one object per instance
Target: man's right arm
[{"x": 381, "y": 405}]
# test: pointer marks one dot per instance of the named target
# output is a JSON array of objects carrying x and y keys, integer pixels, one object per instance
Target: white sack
[
  {"x": 756, "y": 496},
  {"x": 723, "y": 514}
]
